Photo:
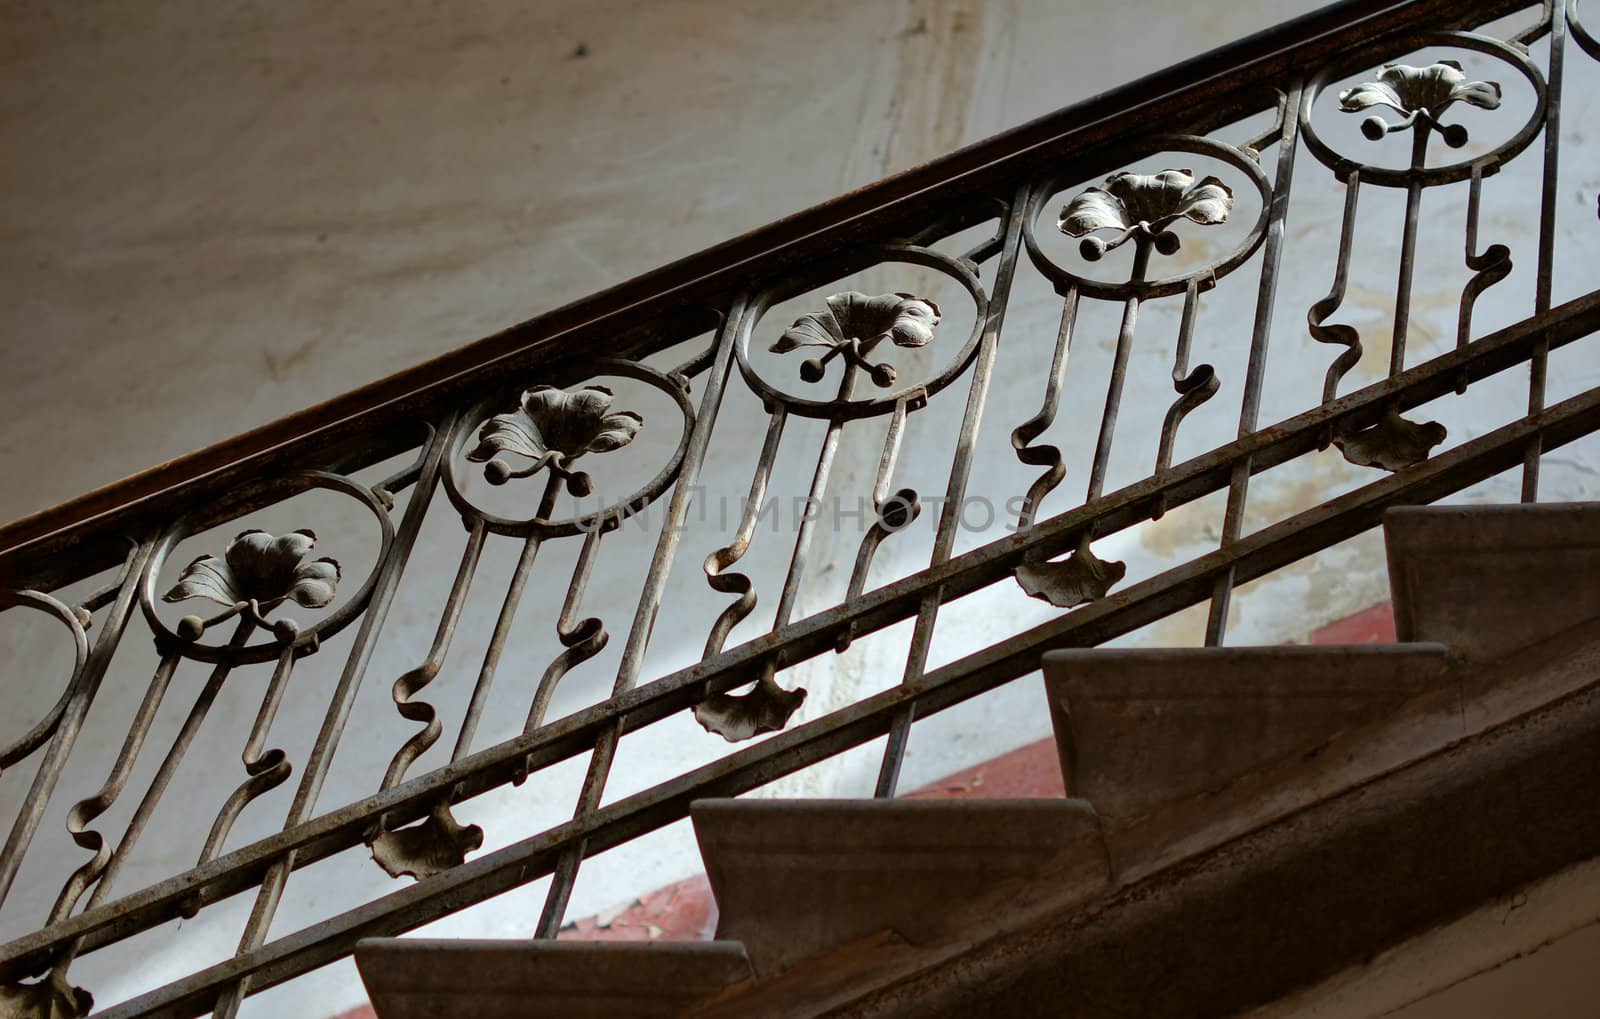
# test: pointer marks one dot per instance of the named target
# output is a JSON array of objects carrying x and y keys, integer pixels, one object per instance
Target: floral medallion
[
  {"x": 256, "y": 573},
  {"x": 552, "y": 428},
  {"x": 853, "y": 324},
  {"x": 1420, "y": 95},
  {"x": 1142, "y": 206}
]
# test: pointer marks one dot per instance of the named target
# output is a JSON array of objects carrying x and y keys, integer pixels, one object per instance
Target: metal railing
[{"x": 1050, "y": 200}]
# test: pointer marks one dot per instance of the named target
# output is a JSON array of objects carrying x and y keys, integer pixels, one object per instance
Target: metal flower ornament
[
  {"x": 1141, "y": 207},
  {"x": 552, "y": 428},
  {"x": 1420, "y": 95},
  {"x": 853, "y": 325},
  {"x": 257, "y": 573}
]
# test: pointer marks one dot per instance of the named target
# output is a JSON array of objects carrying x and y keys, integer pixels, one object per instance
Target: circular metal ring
[
  {"x": 605, "y": 518},
  {"x": 958, "y": 270},
  {"x": 327, "y": 626},
  {"x": 1063, "y": 278},
  {"x": 31, "y": 741},
  {"x": 1451, "y": 172}
]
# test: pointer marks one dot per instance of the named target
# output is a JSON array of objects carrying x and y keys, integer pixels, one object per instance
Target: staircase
[
  {"x": 1245, "y": 823},
  {"x": 565, "y": 622}
]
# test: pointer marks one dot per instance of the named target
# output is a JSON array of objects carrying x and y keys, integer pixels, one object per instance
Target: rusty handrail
[{"x": 634, "y": 316}]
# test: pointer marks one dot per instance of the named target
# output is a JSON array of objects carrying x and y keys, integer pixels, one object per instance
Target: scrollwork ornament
[
  {"x": 766, "y": 707},
  {"x": 1080, "y": 578},
  {"x": 1420, "y": 95},
  {"x": 1392, "y": 444},
  {"x": 1579, "y": 31},
  {"x": 436, "y": 845}
]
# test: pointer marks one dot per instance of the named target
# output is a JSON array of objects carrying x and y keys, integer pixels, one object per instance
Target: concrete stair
[
  {"x": 1488, "y": 580},
  {"x": 1139, "y": 728},
  {"x": 415, "y": 978},
  {"x": 1247, "y": 823},
  {"x": 853, "y": 868}
]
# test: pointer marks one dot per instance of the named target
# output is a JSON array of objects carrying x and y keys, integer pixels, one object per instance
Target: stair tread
[
  {"x": 414, "y": 978},
  {"x": 1490, "y": 580},
  {"x": 796, "y": 878},
  {"x": 1138, "y": 728}
]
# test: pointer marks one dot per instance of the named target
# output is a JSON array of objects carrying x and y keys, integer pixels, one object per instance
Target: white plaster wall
[{"x": 219, "y": 214}]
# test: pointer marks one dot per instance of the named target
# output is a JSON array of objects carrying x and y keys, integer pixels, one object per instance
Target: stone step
[
  {"x": 1141, "y": 728},
  {"x": 414, "y": 978},
  {"x": 795, "y": 879},
  {"x": 1487, "y": 580}
]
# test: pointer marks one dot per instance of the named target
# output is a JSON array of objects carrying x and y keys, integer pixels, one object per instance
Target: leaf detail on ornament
[
  {"x": 904, "y": 319},
  {"x": 735, "y": 717},
  {"x": 1431, "y": 89},
  {"x": 431, "y": 847},
  {"x": 1392, "y": 444},
  {"x": 259, "y": 567},
  {"x": 1081, "y": 577},
  {"x": 1128, "y": 199},
  {"x": 558, "y": 425}
]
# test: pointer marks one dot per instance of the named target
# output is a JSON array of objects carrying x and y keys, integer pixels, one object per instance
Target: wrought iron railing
[{"x": 517, "y": 437}]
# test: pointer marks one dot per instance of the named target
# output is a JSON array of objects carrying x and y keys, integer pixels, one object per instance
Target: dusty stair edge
[
  {"x": 1491, "y": 579},
  {"x": 1140, "y": 728},
  {"x": 418, "y": 978},
  {"x": 795, "y": 879}
]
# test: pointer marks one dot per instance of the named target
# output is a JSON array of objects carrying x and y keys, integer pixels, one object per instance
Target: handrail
[{"x": 627, "y": 317}]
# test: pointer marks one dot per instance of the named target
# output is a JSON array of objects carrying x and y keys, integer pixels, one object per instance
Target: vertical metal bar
[
  {"x": 566, "y": 870},
  {"x": 502, "y": 625},
  {"x": 1261, "y": 334},
  {"x": 1180, "y": 375},
  {"x": 1119, "y": 373},
  {"x": 955, "y": 489},
  {"x": 1538, "y": 364},
  {"x": 1421, "y": 131},
  {"x": 71, "y": 724},
  {"x": 808, "y": 520},
  {"x": 1489, "y": 267},
  {"x": 1341, "y": 334},
  {"x": 880, "y": 529},
  {"x": 890, "y": 456},
  {"x": 1474, "y": 206},
  {"x": 344, "y": 695}
]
